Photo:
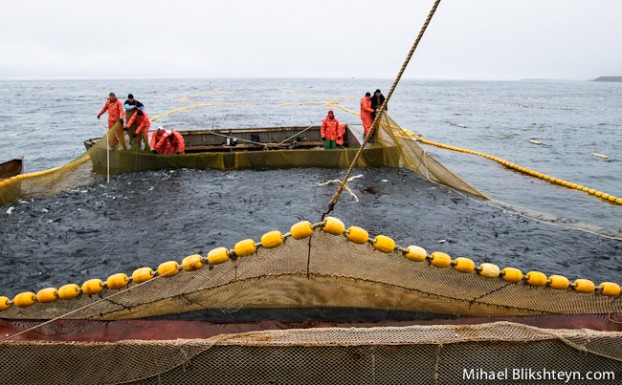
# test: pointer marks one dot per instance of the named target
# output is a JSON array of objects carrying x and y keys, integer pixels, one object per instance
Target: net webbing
[
  {"x": 325, "y": 271},
  {"x": 416, "y": 354}
]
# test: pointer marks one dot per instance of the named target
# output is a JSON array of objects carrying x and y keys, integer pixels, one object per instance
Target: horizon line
[{"x": 61, "y": 78}]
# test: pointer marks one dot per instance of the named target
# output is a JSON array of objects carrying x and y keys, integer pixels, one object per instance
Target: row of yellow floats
[
  {"x": 299, "y": 231},
  {"x": 607, "y": 197}
]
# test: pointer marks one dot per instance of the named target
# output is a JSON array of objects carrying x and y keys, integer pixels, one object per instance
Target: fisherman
[
  {"x": 376, "y": 102},
  {"x": 171, "y": 143},
  {"x": 156, "y": 136},
  {"x": 328, "y": 130},
  {"x": 115, "y": 114},
  {"x": 141, "y": 121},
  {"x": 132, "y": 105},
  {"x": 366, "y": 112},
  {"x": 340, "y": 134}
]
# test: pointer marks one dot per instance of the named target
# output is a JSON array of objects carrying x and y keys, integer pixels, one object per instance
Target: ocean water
[{"x": 146, "y": 218}]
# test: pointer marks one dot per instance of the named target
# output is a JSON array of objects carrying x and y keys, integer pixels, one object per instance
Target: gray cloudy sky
[{"x": 468, "y": 39}]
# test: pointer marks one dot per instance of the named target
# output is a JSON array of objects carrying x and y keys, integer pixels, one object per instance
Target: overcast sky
[{"x": 468, "y": 39}]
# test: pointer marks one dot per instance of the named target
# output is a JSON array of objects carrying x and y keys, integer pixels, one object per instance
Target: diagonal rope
[{"x": 379, "y": 112}]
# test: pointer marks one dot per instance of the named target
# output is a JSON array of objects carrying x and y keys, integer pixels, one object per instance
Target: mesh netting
[
  {"x": 417, "y": 354},
  {"x": 413, "y": 157},
  {"x": 324, "y": 271}
]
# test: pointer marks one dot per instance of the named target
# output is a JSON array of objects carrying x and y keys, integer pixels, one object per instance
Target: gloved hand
[
  {"x": 154, "y": 151},
  {"x": 134, "y": 135},
  {"x": 121, "y": 121},
  {"x": 323, "y": 138},
  {"x": 124, "y": 128},
  {"x": 98, "y": 116}
]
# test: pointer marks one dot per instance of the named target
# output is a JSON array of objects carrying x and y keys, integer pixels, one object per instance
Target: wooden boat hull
[
  {"x": 259, "y": 148},
  {"x": 11, "y": 168},
  {"x": 135, "y": 160}
]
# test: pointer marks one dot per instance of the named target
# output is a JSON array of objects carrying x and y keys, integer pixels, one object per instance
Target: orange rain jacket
[
  {"x": 340, "y": 134},
  {"x": 142, "y": 122},
  {"x": 329, "y": 128},
  {"x": 172, "y": 143},
  {"x": 366, "y": 113},
  {"x": 155, "y": 138},
  {"x": 115, "y": 111}
]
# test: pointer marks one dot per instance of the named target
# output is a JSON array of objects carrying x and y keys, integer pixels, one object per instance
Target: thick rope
[{"x": 380, "y": 111}]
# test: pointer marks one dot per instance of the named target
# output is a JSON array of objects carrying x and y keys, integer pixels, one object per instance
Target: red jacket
[
  {"x": 115, "y": 111},
  {"x": 329, "y": 128},
  {"x": 142, "y": 121},
  {"x": 366, "y": 113},
  {"x": 155, "y": 138},
  {"x": 171, "y": 144}
]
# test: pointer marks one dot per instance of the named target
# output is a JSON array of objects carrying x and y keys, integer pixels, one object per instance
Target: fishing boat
[
  {"x": 11, "y": 168},
  {"x": 242, "y": 148}
]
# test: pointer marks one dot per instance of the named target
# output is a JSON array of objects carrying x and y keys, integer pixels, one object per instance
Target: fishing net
[
  {"x": 404, "y": 355},
  {"x": 324, "y": 269}
]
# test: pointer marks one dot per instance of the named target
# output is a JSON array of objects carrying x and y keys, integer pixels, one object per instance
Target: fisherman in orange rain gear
[
  {"x": 156, "y": 136},
  {"x": 328, "y": 130},
  {"x": 115, "y": 114},
  {"x": 367, "y": 112},
  {"x": 171, "y": 143},
  {"x": 341, "y": 132},
  {"x": 142, "y": 127}
]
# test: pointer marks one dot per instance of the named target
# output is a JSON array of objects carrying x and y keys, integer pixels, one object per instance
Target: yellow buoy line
[
  {"x": 558, "y": 181},
  {"x": 299, "y": 231}
]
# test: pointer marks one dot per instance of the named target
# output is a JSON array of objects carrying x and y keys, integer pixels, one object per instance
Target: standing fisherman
[
  {"x": 115, "y": 115},
  {"x": 367, "y": 116},
  {"x": 328, "y": 130},
  {"x": 376, "y": 101}
]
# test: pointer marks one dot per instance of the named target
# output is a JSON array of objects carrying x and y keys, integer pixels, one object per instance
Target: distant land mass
[{"x": 608, "y": 79}]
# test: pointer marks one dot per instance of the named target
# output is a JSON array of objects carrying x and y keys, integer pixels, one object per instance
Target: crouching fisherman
[
  {"x": 171, "y": 142},
  {"x": 142, "y": 129},
  {"x": 156, "y": 136}
]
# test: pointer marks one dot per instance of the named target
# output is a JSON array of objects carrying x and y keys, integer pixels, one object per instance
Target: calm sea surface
[{"x": 101, "y": 228}]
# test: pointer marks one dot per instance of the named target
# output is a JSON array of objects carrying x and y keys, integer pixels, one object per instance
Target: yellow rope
[
  {"x": 198, "y": 106},
  {"x": 379, "y": 112},
  {"x": 561, "y": 182}
]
